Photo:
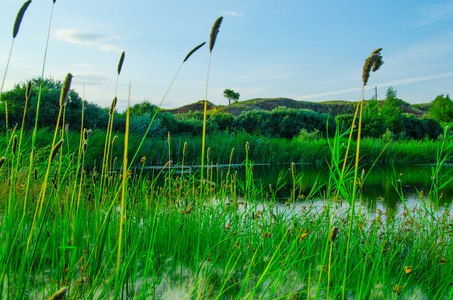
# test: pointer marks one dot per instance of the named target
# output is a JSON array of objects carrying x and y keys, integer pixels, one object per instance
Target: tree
[
  {"x": 442, "y": 109},
  {"x": 231, "y": 95}
]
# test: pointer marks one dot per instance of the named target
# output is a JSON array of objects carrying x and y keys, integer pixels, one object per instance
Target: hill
[{"x": 333, "y": 108}]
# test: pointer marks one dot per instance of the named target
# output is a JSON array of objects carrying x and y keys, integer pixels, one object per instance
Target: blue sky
[{"x": 305, "y": 50}]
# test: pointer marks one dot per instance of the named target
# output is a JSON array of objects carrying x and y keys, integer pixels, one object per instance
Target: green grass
[{"x": 104, "y": 234}]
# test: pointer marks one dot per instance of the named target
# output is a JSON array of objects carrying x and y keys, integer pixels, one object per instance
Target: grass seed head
[
  {"x": 55, "y": 149},
  {"x": 2, "y": 161},
  {"x": 112, "y": 108},
  {"x": 28, "y": 90},
  {"x": 334, "y": 233},
  {"x": 59, "y": 294},
  {"x": 193, "y": 51},
  {"x": 15, "y": 145},
  {"x": 372, "y": 63},
  {"x": 214, "y": 32},
  {"x": 66, "y": 89},
  {"x": 120, "y": 63},
  {"x": 19, "y": 17}
]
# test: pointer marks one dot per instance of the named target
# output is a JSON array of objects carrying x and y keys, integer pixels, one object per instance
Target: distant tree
[
  {"x": 442, "y": 109},
  {"x": 143, "y": 108},
  {"x": 231, "y": 95}
]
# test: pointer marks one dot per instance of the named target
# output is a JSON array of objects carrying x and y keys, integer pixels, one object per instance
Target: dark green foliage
[
  {"x": 223, "y": 120},
  {"x": 143, "y": 108},
  {"x": 282, "y": 122},
  {"x": 139, "y": 125},
  {"x": 442, "y": 109},
  {"x": 195, "y": 126}
]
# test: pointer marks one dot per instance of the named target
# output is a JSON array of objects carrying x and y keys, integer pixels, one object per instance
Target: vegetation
[
  {"x": 231, "y": 95},
  {"x": 95, "y": 233}
]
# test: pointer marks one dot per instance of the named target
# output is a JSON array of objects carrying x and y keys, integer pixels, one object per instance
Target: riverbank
[{"x": 230, "y": 147}]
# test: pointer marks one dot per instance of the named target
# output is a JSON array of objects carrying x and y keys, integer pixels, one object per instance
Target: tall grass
[{"x": 103, "y": 235}]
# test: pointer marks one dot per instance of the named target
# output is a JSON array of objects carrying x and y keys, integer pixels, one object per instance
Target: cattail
[
  {"x": 333, "y": 233},
  {"x": 2, "y": 161},
  {"x": 214, "y": 32},
  {"x": 59, "y": 294},
  {"x": 372, "y": 63},
  {"x": 36, "y": 174},
  {"x": 84, "y": 146},
  {"x": 28, "y": 90},
  {"x": 66, "y": 89},
  {"x": 15, "y": 145},
  {"x": 20, "y": 158},
  {"x": 120, "y": 64},
  {"x": 19, "y": 16},
  {"x": 193, "y": 51},
  {"x": 55, "y": 150},
  {"x": 112, "y": 108}
]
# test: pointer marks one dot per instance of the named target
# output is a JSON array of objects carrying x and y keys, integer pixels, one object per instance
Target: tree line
[{"x": 382, "y": 118}]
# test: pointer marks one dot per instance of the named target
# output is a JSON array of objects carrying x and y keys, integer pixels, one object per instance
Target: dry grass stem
[
  {"x": 19, "y": 17},
  {"x": 214, "y": 32},
  {"x": 193, "y": 51}
]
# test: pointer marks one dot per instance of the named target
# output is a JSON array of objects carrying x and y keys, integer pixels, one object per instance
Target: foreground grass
[{"x": 234, "y": 241}]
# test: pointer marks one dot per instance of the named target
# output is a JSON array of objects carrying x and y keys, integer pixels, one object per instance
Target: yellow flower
[
  {"x": 408, "y": 269},
  {"x": 143, "y": 159}
]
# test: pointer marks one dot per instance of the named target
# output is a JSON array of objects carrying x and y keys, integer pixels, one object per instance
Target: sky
[{"x": 299, "y": 49}]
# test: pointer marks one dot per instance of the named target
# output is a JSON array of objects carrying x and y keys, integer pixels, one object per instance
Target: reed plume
[
  {"x": 55, "y": 149},
  {"x": 193, "y": 51},
  {"x": 372, "y": 63},
  {"x": 15, "y": 145},
  {"x": 120, "y": 63},
  {"x": 112, "y": 107},
  {"x": 60, "y": 293},
  {"x": 19, "y": 17},
  {"x": 214, "y": 32},
  {"x": 334, "y": 233},
  {"x": 65, "y": 90}
]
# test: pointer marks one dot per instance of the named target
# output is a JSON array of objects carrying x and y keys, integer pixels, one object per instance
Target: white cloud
[
  {"x": 437, "y": 12},
  {"x": 385, "y": 84},
  {"x": 89, "y": 39},
  {"x": 232, "y": 13}
]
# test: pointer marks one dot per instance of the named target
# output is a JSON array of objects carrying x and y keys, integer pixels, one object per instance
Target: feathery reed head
[
  {"x": 28, "y": 90},
  {"x": 15, "y": 145},
  {"x": 66, "y": 89},
  {"x": 333, "y": 233},
  {"x": 112, "y": 108},
  {"x": 19, "y": 17},
  {"x": 59, "y": 294},
  {"x": 120, "y": 64},
  {"x": 193, "y": 51},
  {"x": 55, "y": 149},
  {"x": 214, "y": 32},
  {"x": 372, "y": 63}
]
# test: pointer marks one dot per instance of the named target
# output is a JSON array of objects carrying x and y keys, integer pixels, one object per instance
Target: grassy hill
[{"x": 333, "y": 107}]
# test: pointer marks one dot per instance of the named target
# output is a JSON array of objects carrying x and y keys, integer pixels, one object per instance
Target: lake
[{"x": 378, "y": 189}]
